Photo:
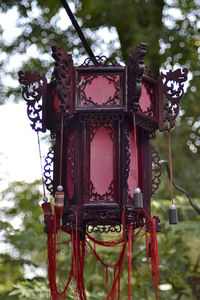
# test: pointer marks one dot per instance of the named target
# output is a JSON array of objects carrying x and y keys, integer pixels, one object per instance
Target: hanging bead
[
  {"x": 173, "y": 216},
  {"x": 137, "y": 198},
  {"x": 59, "y": 197},
  {"x": 45, "y": 199},
  {"x": 59, "y": 204}
]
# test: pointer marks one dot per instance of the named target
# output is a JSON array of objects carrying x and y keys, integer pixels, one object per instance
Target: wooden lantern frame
[{"x": 136, "y": 96}]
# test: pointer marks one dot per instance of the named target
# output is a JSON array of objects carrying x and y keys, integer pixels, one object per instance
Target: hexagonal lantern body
[
  {"x": 105, "y": 146},
  {"x": 102, "y": 118}
]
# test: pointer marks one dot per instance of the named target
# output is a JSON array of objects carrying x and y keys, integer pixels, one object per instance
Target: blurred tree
[{"x": 171, "y": 29}]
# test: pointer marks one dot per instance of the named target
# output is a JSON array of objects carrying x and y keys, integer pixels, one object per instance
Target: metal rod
[{"x": 79, "y": 31}]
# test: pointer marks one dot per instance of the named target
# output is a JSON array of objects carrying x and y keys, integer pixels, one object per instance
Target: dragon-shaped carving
[
  {"x": 136, "y": 69},
  {"x": 33, "y": 90},
  {"x": 64, "y": 75}
]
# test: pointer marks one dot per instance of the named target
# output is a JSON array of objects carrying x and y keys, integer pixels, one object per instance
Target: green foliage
[{"x": 30, "y": 290}]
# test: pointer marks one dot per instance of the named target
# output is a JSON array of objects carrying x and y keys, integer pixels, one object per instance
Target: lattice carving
[
  {"x": 173, "y": 89},
  {"x": 102, "y": 61},
  {"x": 136, "y": 69},
  {"x": 64, "y": 74},
  {"x": 33, "y": 89},
  {"x": 101, "y": 117},
  {"x": 104, "y": 228},
  {"x": 48, "y": 170},
  {"x": 156, "y": 170}
]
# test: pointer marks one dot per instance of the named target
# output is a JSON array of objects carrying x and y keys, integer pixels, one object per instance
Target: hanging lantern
[{"x": 105, "y": 170}]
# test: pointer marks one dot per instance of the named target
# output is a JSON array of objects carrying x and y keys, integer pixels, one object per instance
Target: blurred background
[{"x": 28, "y": 29}]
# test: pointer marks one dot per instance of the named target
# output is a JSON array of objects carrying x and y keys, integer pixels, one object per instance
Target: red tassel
[
  {"x": 154, "y": 255},
  {"x": 129, "y": 259},
  {"x": 52, "y": 270},
  {"x": 118, "y": 265},
  {"x": 51, "y": 262},
  {"x": 78, "y": 253},
  {"x": 46, "y": 207}
]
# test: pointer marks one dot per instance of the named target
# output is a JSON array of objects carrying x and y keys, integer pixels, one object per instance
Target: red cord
[
  {"x": 61, "y": 147},
  {"x": 170, "y": 164},
  {"x": 129, "y": 259}
]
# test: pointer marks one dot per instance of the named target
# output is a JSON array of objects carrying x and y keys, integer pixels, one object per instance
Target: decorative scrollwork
[
  {"x": 136, "y": 69},
  {"x": 156, "y": 170},
  {"x": 102, "y": 61},
  {"x": 104, "y": 228},
  {"x": 173, "y": 89},
  {"x": 33, "y": 89},
  {"x": 95, "y": 197},
  {"x": 48, "y": 170},
  {"x": 63, "y": 72},
  {"x": 100, "y": 117},
  {"x": 96, "y": 125}
]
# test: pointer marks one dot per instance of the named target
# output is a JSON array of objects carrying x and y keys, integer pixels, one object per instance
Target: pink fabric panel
[
  {"x": 101, "y": 160},
  {"x": 100, "y": 89}
]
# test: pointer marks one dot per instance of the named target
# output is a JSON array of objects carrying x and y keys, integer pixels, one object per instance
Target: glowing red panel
[
  {"x": 100, "y": 90},
  {"x": 101, "y": 161}
]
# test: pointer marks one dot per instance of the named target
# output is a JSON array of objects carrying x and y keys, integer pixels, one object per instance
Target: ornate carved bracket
[
  {"x": 172, "y": 85},
  {"x": 156, "y": 170},
  {"x": 48, "y": 170},
  {"x": 136, "y": 69},
  {"x": 33, "y": 90},
  {"x": 64, "y": 75}
]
